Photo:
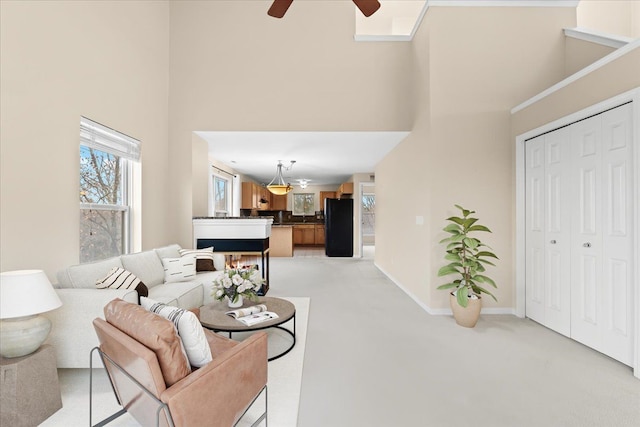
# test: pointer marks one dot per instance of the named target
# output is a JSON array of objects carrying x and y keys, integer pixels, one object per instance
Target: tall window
[
  {"x": 368, "y": 214},
  {"x": 303, "y": 204},
  {"x": 221, "y": 196},
  {"x": 106, "y": 160}
]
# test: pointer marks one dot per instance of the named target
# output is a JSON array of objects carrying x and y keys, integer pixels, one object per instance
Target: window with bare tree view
[
  {"x": 104, "y": 199},
  {"x": 368, "y": 214}
]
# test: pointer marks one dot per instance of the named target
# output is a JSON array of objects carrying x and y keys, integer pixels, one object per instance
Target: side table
[{"x": 29, "y": 388}]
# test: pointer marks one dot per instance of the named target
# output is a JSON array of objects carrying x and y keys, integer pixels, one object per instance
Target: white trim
[
  {"x": 362, "y": 193},
  {"x": 504, "y": 3},
  {"x": 441, "y": 311},
  {"x": 580, "y": 74},
  {"x": 382, "y": 38},
  {"x": 598, "y": 37},
  {"x": 520, "y": 262},
  {"x": 461, "y": 3}
]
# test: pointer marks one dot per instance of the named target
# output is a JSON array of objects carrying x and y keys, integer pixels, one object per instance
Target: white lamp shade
[{"x": 26, "y": 292}]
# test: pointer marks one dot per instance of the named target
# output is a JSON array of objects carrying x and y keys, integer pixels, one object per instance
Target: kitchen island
[{"x": 281, "y": 241}]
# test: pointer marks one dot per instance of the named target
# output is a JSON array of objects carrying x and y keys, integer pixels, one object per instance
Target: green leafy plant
[{"x": 467, "y": 258}]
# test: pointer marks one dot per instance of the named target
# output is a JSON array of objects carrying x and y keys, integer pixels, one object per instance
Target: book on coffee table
[
  {"x": 246, "y": 311},
  {"x": 252, "y": 315},
  {"x": 253, "y": 319}
]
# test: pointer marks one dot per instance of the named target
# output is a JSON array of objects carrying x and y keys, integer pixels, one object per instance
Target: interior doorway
[{"x": 368, "y": 220}]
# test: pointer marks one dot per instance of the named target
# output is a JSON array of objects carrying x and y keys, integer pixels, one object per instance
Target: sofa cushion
[
  {"x": 153, "y": 331},
  {"x": 204, "y": 258},
  {"x": 181, "y": 269},
  {"x": 171, "y": 251},
  {"x": 146, "y": 265},
  {"x": 180, "y": 294},
  {"x": 189, "y": 330},
  {"x": 85, "y": 275}
]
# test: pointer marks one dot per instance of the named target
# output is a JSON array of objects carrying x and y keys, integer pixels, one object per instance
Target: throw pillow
[
  {"x": 189, "y": 329},
  {"x": 119, "y": 278},
  {"x": 179, "y": 269},
  {"x": 204, "y": 258}
]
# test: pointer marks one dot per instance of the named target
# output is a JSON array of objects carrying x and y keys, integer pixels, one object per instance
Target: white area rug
[{"x": 285, "y": 379}]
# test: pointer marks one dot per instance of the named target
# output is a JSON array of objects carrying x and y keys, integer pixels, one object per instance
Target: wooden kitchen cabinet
[
  {"x": 249, "y": 200},
  {"x": 304, "y": 234},
  {"x": 278, "y": 203},
  {"x": 252, "y": 194},
  {"x": 346, "y": 189},
  {"x": 326, "y": 195},
  {"x": 308, "y": 234},
  {"x": 319, "y": 234}
]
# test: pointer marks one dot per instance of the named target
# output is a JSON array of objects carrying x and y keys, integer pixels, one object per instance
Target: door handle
[
  {"x": 553, "y": 242},
  {"x": 586, "y": 245}
]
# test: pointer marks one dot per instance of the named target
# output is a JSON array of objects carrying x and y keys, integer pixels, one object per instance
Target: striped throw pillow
[
  {"x": 118, "y": 278},
  {"x": 189, "y": 329},
  {"x": 204, "y": 258}
]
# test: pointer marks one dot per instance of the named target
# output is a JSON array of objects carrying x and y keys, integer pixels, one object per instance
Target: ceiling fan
[{"x": 279, "y": 7}]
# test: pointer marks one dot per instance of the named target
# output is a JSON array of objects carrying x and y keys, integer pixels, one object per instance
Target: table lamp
[{"x": 24, "y": 294}]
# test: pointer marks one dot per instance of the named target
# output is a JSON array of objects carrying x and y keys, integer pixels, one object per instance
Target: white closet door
[
  {"x": 548, "y": 231},
  {"x": 586, "y": 250},
  {"x": 557, "y": 231},
  {"x": 579, "y": 237},
  {"x": 602, "y": 253},
  {"x": 535, "y": 229},
  {"x": 617, "y": 238}
]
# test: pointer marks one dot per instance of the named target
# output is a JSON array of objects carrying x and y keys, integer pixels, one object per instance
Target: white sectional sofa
[{"x": 72, "y": 334}]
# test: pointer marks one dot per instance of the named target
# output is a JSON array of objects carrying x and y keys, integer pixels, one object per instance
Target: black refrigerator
[{"x": 338, "y": 223}]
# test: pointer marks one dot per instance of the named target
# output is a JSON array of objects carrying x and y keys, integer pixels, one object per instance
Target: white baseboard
[{"x": 442, "y": 311}]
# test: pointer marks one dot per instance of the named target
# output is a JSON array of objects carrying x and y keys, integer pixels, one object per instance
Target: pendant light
[{"x": 277, "y": 185}]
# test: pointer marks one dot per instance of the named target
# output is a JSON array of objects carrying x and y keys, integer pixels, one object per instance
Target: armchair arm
[
  {"x": 219, "y": 393},
  {"x": 72, "y": 334}
]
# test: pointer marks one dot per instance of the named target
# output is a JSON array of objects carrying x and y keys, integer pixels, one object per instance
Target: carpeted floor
[
  {"x": 285, "y": 378},
  {"x": 375, "y": 358}
]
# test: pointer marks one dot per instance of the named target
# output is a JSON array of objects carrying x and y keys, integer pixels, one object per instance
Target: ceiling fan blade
[
  {"x": 367, "y": 7},
  {"x": 279, "y": 8}
]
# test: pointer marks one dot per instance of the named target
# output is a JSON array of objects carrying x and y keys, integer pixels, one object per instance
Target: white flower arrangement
[{"x": 234, "y": 282}]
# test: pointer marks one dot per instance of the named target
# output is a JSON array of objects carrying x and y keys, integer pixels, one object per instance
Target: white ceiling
[{"x": 321, "y": 157}]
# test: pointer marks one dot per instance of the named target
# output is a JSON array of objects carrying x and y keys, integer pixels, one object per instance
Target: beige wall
[
  {"x": 201, "y": 170},
  {"x": 580, "y": 53},
  {"x": 614, "y": 78},
  {"x": 285, "y": 74},
  {"x": 460, "y": 150},
  {"x": 618, "y": 17},
  {"x": 107, "y": 61}
]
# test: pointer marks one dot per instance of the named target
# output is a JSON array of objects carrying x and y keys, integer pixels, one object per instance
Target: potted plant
[{"x": 467, "y": 258}]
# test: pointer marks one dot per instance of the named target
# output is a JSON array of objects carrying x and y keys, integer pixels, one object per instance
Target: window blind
[{"x": 100, "y": 137}]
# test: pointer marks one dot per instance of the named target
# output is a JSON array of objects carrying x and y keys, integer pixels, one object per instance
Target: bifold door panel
[{"x": 579, "y": 241}]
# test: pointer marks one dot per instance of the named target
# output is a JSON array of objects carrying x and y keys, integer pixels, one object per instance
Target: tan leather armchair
[{"x": 153, "y": 382}]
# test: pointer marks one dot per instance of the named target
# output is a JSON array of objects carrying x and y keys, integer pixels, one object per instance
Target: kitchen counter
[{"x": 233, "y": 217}]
